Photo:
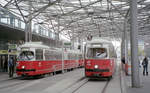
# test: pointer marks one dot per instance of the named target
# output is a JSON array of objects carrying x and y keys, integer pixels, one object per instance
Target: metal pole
[
  {"x": 62, "y": 57},
  {"x": 30, "y": 21},
  {"x": 26, "y": 32},
  {"x": 134, "y": 44},
  {"x": 126, "y": 45},
  {"x": 8, "y": 61},
  {"x": 123, "y": 46},
  {"x": 73, "y": 39},
  {"x": 30, "y": 31}
]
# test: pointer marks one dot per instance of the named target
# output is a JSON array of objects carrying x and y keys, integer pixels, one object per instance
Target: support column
[
  {"x": 26, "y": 32},
  {"x": 30, "y": 21},
  {"x": 73, "y": 39},
  {"x": 134, "y": 44},
  {"x": 126, "y": 45},
  {"x": 63, "y": 57},
  {"x": 123, "y": 46}
]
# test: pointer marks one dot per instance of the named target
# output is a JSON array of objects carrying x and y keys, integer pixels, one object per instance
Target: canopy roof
[{"x": 81, "y": 18}]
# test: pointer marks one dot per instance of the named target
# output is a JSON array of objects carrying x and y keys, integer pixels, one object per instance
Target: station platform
[
  {"x": 144, "y": 83},
  {"x": 4, "y": 76}
]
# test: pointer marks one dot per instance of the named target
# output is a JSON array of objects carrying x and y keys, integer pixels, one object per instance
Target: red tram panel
[{"x": 105, "y": 67}]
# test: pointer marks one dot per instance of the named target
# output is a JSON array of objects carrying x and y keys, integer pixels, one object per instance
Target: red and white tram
[
  {"x": 100, "y": 58},
  {"x": 38, "y": 59}
]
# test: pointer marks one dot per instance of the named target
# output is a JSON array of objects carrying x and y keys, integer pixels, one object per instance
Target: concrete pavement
[{"x": 144, "y": 83}]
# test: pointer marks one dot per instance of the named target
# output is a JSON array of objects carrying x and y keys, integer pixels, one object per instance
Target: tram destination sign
[{"x": 67, "y": 44}]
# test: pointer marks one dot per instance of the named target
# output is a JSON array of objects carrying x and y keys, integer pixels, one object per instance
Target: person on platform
[
  {"x": 123, "y": 60},
  {"x": 5, "y": 65},
  {"x": 11, "y": 66},
  {"x": 145, "y": 66}
]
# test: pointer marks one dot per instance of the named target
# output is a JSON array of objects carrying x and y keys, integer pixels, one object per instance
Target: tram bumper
[
  {"x": 25, "y": 72},
  {"x": 97, "y": 72}
]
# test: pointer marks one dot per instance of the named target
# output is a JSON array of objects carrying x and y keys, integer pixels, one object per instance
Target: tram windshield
[
  {"x": 26, "y": 55},
  {"x": 97, "y": 53}
]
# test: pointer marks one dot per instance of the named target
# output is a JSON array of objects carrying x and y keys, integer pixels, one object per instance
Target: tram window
[
  {"x": 80, "y": 56},
  {"x": 90, "y": 53},
  {"x": 26, "y": 55},
  {"x": 66, "y": 56},
  {"x": 55, "y": 55},
  {"x": 69, "y": 56},
  {"x": 60, "y": 56},
  {"x": 112, "y": 53},
  {"x": 48, "y": 55},
  {"x": 77, "y": 56},
  {"x": 73, "y": 56},
  {"x": 52, "y": 57},
  {"x": 39, "y": 54},
  {"x": 97, "y": 53}
]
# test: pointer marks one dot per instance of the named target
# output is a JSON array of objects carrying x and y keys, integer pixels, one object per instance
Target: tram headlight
[
  {"x": 23, "y": 67},
  {"x": 96, "y": 66}
]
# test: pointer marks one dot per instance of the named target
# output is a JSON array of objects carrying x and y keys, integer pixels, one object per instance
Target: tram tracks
[
  {"x": 83, "y": 83},
  {"x": 80, "y": 86},
  {"x": 79, "y": 80},
  {"x": 105, "y": 87}
]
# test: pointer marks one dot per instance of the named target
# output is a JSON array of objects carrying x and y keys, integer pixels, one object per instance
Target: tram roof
[
  {"x": 34, "y": 45},
  {"x": 99, "y": 40}
]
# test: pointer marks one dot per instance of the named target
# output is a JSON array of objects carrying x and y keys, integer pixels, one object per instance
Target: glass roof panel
[{"x": 78, "y": 14}]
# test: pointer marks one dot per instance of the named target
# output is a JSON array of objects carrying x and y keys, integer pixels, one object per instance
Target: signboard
[
  {"x": 25, "y": 49},
  {"x": 67, "y": 45},
  {"x": 3, "y": 51},
  {"x": 12, "y": 46}
]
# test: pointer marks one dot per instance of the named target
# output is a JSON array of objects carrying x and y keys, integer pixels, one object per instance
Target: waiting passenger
[
  {"x": 145, "y": 66},
  {"x": 11, "y": 67},
  {"x": 5, "y": 65},
  {"x": 123, "y": 60}
]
